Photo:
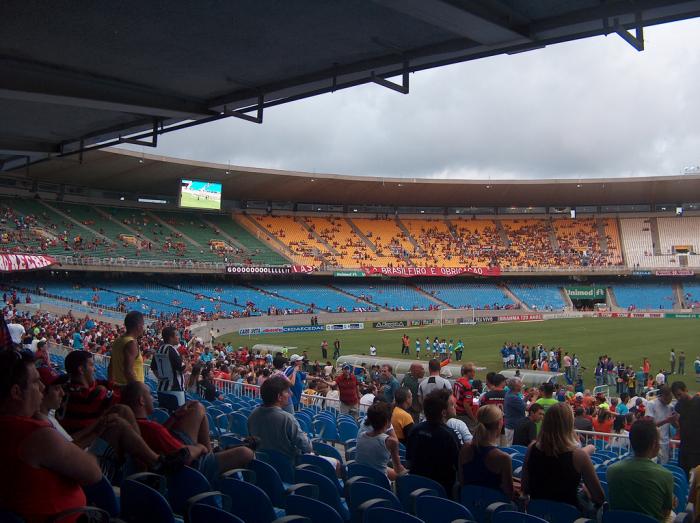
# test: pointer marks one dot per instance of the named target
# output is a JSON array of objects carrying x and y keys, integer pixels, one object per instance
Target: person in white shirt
[
  {"x": 660, "y": 379},
  {"x": 460, "y": 429},
  {"x": 367, "y": 399},
  {"x": 433, "y": 382},
  {"x": 372, "y": 350},
  {"x": 661, "y": 411}
]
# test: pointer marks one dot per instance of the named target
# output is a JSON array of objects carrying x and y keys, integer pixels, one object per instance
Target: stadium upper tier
[
  {"x": 346, "y": 241},
  {"x": 266, "y": 297}
]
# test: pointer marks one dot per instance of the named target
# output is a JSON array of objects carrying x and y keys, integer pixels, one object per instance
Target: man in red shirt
[
  {"x": 33, "y": 453},
  {"x": 186, "y": 428},
  {"x": 87, "y": 399},
  {"x": 464, "y": 396},
  {"x": 349, "y": 390}
]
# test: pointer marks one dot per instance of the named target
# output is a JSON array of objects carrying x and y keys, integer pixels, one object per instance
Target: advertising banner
[
  {"x": 235, "y": 269},
  {"x": 486, "y": 319},
  {"x": 409, "y": 272},
  {"x": 349, "y": 274},
  {"x": 24, "y": 262},
  {"x": 398, "y": 324},
  {"x": 586, "y": 293},
  {"x": 641, "y": 273},
  {"x": 303, "y": 269},
  {"x": 304, "y": 328},
  {"x": 654, "y": 315},
  {"x": 253, "y": 331},
  {"x": 674, "y": 272},
  {"x": 693, "y": 316},
  {"x": 521, "y": 317},
  {"x": 344, "y": 326}
]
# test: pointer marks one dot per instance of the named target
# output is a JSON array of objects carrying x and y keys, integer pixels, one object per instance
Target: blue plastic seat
[
  {"x": 511, "y": 516},
  {"x": 282, "y": 464},
  {"x": 360, "y": 492},
  {"x": 229, "y": 440},
  {"x": 249, "y": 502},
  {"x": 385, "y": 514},
  {"x": 522, "y": 449},
  {"x": 184, "y": 484},
  {"x": 160, "y": 416},
  {"x": 477, "y": 499},
  {"x": 324, "y": 449},
  {"x": 324, "y": 467},
  {"x": 317, "y": 511},
  {"x": 626, "y": 516},
  {"x": 606, "y": 489},
  {"x": 434, "y": 509},
  {"x": 328, "y": 492},
  {"x": 326, "y": 428},
  {"x": 201, "y": 513},
  {"x": 356, "y": 469},
  {"x": 268, "y": 479},
  {"x": 101, "y": 495},
  {"x": 553, "y": 511},
  {"x": 238, "y": 424},
  {"x": 347, "y": 431},
  {"x": 409, "y": 483},
  {"x": 143, "y": 504}
]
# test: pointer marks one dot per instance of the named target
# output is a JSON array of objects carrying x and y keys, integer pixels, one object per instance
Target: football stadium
[{"x": 191, "y": 340}]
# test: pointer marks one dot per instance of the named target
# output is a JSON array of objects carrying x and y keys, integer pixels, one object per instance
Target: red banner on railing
[
  {"x": 409, "y": 272},
  {"x": 304, "y": 268},
  {"x": 24, "y": 262}
]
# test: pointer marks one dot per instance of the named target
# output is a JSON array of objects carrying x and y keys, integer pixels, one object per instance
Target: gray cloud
[{"x": 582, "y": 109}]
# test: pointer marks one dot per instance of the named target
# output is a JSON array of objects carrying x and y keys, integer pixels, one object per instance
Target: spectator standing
[
  {"x": 555, "y": 464},
  {"x": 638, "y": 484},
  {"x": 513, "y": 408},
  {"x": 688, "y": 409},
  {"x": 274, "y": 425},
  {"x": 433, "y": 382},
  {"x": 401, "y": 420},
  {"x": 525, "y": 431},
  {"x": 126, "y": 363},
  {"x": 672, "y": 361},
  {"x": 411, "y": 381},
  {"x": 662, "y": 413},
  {"x": 34, "y": 454},
  {"x": 464, "y": 396},
  {"x": 390, "y": 383},
  {"x": 378, "y": 444},
  {"x": 348, "y": 388},
  {"x": 336, "y": 349},
  {"x": 681, "y": 363},
  {"x": 482, "y": 463},
  {"x": 546, "y": 399},
  {"x": 432, "y": 448},
  {"x": 167, "y": 365}
]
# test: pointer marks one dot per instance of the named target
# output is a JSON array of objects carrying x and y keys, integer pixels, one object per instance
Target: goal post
[{"x": 457, "y": 317}]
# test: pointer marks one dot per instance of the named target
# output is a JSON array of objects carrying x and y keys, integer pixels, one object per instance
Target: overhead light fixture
[
  {"x": 578, "y": 185},
  {"x": 488, "y": 186},
  {"x": 121, "y": 198}
]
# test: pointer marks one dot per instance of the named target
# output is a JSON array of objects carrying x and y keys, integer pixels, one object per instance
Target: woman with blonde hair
[
  {"x": 481, "y": 462},
  {"x": 555, "y": 463}
]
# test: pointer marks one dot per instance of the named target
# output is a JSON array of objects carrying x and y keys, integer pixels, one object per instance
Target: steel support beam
[
  {"x": 636, "y": 41},
  {"x": 399, "y": 88},
  {"x": 37, "y": 83}
]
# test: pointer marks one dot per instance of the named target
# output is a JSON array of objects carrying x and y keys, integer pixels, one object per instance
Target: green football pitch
[
  {"x": 627, "y": 340},
  {"x": 192, "y": 201}
]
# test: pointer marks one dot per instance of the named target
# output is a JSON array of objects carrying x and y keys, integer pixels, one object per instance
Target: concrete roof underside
[
  {"x": 74, "y": 77},
  {"x": 150, "y": 175}
]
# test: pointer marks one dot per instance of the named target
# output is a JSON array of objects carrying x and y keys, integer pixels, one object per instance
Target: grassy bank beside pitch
[{"x": 627, "y": 340}]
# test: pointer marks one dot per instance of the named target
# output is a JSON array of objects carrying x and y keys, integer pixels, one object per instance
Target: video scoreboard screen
[{"x": 196, "y": 194}]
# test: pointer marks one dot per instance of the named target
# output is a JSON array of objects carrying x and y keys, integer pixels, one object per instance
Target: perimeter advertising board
[
  {"x": 344, "y": 326},
  {"x": 398, "y": 324},
  {"x": 586, "y": 293}
]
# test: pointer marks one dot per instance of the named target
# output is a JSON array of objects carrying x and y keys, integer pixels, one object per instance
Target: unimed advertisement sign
[{"x": 586, "y": 293}]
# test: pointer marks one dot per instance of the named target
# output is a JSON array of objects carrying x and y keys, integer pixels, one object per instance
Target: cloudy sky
[{"x": 589, "y": 108}]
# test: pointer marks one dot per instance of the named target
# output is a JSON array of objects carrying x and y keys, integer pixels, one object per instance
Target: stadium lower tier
[
  {"x": 254, "y": 297},
  {"x": 111, "y": 234}
]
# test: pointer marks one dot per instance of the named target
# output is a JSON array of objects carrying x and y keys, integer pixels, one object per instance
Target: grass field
[
  {"x": 627, "y": 340},
  {"x": 190, "y": 200}
]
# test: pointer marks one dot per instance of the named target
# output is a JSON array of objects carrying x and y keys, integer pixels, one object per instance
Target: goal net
[{"x": 457, "y": 317}]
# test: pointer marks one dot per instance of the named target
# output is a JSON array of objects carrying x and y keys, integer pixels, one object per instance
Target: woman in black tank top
[{"x": 555, "y": 464}]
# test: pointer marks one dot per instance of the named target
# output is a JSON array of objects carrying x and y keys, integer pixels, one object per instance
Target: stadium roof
[
  {"x": 73, "y": 77},
  {"x": 150, "y": 175}
]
